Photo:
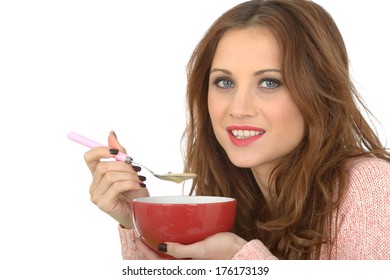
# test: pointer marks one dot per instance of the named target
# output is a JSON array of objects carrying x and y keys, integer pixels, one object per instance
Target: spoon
[{"x": 173, "y": 177}]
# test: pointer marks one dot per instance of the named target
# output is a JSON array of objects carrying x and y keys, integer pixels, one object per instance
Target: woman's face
[{"x": 253, "y": 114}]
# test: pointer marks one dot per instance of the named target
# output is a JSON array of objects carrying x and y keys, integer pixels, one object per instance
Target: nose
[{"x": 242, "y": 105}]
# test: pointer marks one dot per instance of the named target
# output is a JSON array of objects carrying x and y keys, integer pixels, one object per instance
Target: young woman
[{"x": 273, "y": 122}]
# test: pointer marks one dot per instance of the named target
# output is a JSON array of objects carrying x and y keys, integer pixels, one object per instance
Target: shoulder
[
  {"x": 367, "y": 174},
  {"x": 368, "y": 187},
  {"x": 364, "y": 212}
]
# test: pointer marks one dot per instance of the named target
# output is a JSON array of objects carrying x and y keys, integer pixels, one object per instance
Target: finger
[
  {"x": 114, "y": 143},
  {"x": 149, "y": 254},
  {"x": 192, "y": 251},
  {"x": 94, "y": 155},
  {"x": 104, "y": 167},
  {"x": 102, "y": 183},
  {"x": 108, "y": 200},
  {"x": 119, "y": 166}
]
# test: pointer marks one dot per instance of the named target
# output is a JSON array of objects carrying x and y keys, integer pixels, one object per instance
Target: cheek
[
  {"x": 215, "y": 111},
  {"x": 288, "y": 120},
  {"x": 293, "y": 121}
]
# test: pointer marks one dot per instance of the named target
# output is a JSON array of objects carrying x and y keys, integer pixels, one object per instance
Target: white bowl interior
[{"x": 183, "y": 199}]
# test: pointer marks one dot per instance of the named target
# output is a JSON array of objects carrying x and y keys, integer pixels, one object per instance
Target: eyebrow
[{"x": 256, "y": 73}]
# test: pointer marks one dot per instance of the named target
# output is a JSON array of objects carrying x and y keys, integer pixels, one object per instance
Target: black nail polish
[
  {"x": 142, "y": 178},
  {"x": 114, "y": 151},
  {"x": 163, "y": 247},
  {"x": 142, "y": 185},
  {"x": 136, "y": 168}
]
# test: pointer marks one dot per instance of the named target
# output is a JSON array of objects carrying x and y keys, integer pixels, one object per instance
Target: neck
[{"x": 262, "y": 182}]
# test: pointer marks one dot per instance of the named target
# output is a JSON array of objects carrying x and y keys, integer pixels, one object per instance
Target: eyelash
[
  {"x": 276, "y": 83},
  {"x": 219, "y": 80}
]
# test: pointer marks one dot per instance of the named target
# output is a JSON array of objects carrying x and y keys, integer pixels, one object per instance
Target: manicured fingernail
[
  {"x": 142, "y": 178},
  {"x": 113, "y": 133},
  {"x": 163, "y": 247},
  {"x": 114, "y": 151},
  {"x": 136, "y": 168},
  {"x": 142, "y": 185}
]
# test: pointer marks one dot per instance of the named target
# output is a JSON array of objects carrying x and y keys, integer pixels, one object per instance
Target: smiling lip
[{"x": 244, "y": 135}]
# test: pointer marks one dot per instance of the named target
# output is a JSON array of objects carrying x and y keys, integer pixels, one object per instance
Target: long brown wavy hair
[{"x": 309, "y": 183}]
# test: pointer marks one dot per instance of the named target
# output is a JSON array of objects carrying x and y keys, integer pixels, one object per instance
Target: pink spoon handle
[{"x": 91, "y": 144}]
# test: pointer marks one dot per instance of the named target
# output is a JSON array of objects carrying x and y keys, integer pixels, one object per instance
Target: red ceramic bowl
[{"x": 182, "y": 219}]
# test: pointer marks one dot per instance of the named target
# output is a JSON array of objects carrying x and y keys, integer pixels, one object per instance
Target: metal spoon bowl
[{"x": 174, "y": 177}]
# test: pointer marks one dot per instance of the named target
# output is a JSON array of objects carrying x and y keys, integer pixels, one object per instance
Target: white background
[{"x": 96, "y": 66}]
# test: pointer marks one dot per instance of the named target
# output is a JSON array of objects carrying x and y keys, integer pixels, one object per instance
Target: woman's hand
[
  {"x": 220, "y": 246},
  {"x": 114, "y": 183}
]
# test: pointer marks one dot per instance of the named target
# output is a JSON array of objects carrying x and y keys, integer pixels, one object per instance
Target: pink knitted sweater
[{"x": 363, "y": 222}]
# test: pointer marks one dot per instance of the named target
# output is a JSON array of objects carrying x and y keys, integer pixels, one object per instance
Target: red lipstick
[{"x": 244, "y": 135}]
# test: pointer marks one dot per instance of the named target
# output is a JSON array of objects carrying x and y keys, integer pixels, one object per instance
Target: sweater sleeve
[
  {"x": 363, "y": 227},
  {"x": 129, "y": 249},
  {"x": 254, "y": 250}
]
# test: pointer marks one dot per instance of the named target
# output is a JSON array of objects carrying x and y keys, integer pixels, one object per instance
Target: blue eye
[
  {"x": 224, "y": 83},
  {"x": 269, "y": 83}
]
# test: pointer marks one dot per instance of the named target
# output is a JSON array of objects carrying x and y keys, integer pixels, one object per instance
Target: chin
[{"x": 242, "y": 163}]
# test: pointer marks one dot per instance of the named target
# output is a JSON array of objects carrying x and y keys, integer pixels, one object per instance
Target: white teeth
[{"x": 242, "y": 134}]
